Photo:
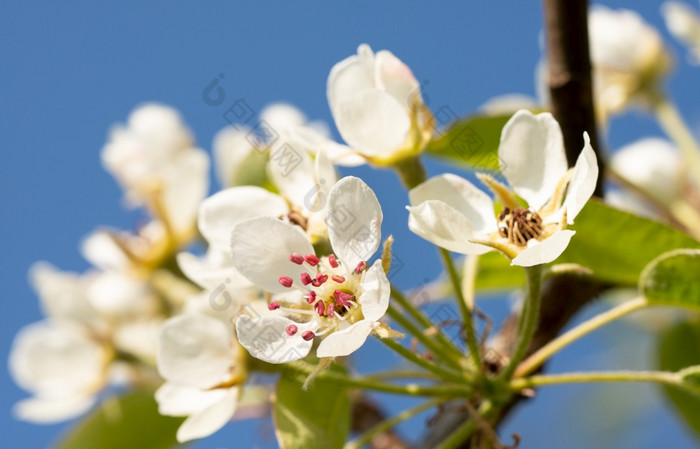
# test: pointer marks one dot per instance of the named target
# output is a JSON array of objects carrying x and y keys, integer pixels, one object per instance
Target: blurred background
[{"x": 72, "y": 70}]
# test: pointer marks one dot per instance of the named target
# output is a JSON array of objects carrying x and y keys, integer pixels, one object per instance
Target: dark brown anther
[{"x": 519, "y": 225}]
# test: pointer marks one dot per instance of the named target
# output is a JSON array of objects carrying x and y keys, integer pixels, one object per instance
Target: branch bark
[
  {"x": 571, "y": 94},
  {"x": 365, "y": 415}
]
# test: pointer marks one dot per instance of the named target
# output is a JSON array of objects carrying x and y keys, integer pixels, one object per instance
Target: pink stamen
[
  {"x": 339, "y": 279},
  {"x": 360, "y": 267},
  {"x": 305, "y": 278},
  {"x": 310, "y": 297},
  {"x": 320, "y": 307},
  {"x": 330, "y": 310},
  {"x": 273, "y": 306},
  {"x": 286, "y": 281},
  {"x": 320, "y": 279},
  {"x": 331, "y": 260},
  {"x": 311, "y": 259},
  {"x": 296, "y": 258},
  {"x": 291, "y": 330},
  {"x": 343, "y": 299},
  {"x": 308, "y": 335}
]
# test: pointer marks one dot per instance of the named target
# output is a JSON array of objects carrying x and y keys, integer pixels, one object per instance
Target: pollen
[{"x": 519, "y": 225}]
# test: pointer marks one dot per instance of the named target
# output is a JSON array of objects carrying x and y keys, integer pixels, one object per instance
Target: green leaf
[
  {"x": 673, "y": 279},
  {"x": 471, "y": 142},
  {"x": 495, "y": 273},
  {"x": 318, "y": 418},
  {"x": 128, "y": 421},
  {"x": 679, "y": 347}
]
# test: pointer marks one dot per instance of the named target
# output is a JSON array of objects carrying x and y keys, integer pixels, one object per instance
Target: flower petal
[
  {"x": 212, "y": 270},
  {"x": 545, "y": 251},
  {"x": 194, "y": 350},
  {"x": 63, "y": 295},
  {"x": 396, "y": 78},
  {"x": 582, "y": 182},
  {"x": 220, "y": 212},
  {"x": 49, "y": 410},
  {"x": 354, "y": 219},
  {"x": 266, "y": 338},
  {"x": 446, "y": 227},
  {"x": 349, "y": 76},
  {"x": 101, "y": 250},
  {"x": 187, "y": 184},
  {"x": 292, "y": 170},
  {"x": 231, "y": 147},
  {"x": 460, "y": 194},
  {"x": 532, "y": 156},
  {"x": 209, "y": 420},
  {"x": 260, "y": 248},
  {"x": 375, "y": 292},
  {"x": 345, "y": 342},
  {"x": 180, "y": 400}
]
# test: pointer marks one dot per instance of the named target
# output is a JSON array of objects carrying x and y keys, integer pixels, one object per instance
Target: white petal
[
  {"x": 349, "y": 76},
  {"x": 52, "y": 359},
  {"x": 139, "y": 338},
  {"x": 187, "y": 184},
  {"x": 260, "y": 248},
  {"x": 50, "y": 410},
  {"x": 373, "y": 122},
  {"x": 345, "y": 342},
  {"x": 396, "y": 78},
  {"x": 354, "y": 219},
  {"x": 220, "y": 212},
  {"x": 582, "y": 182},
  {"x": 209, "y": 420},
  {"x": 212, "y": 270},
  {"x": 266, "y": 338},
  {"x": 545, "y": 251},
  {"x": 100, "y": 249},
  {"x": 194, "y": 350},
  {"x": 532, "y": 156},
  {"x": 446, "y": 227},
  {"x": 292, "y": 170},
  {"x": 231, "y": 147},
  {"x": 282, "y": 117},
  {"x": 460, "y": 194},
  {"x": 179, "y": 400},
  {"x": 63, "y": 295},
  {"x": 375, "y": 292}
]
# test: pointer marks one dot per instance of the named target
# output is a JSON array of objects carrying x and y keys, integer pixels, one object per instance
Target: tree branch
[{"x": 365, "y": 415}]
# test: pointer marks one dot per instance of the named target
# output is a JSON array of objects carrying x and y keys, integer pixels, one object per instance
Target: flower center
[
  {"x": 330, "y": 289},
  {"x": 519, "y": 225}
]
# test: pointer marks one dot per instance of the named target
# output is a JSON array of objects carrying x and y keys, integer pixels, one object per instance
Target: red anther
[
  {"x": 320, "y": 307},
  {"x": 305, "y": 278},
  {"x": 311, "y": 260},
  {"x": 308, "y": 335},
  {"x": 310, "y": 297},
  {"x": 342, "y": 298},
  {"x": 296, "y": 258},
  {"x": 360, "y": 267},
  {"x": 286, "y": 281},
  {"x": 320, "y": 279},
  {"x": 331, "y": 260},
  {"x": 273, "y": 306},
  {"x": 339, "y": 279},
  {"x": 330, "y": 310},
  {"x": 291, "y": 330}
]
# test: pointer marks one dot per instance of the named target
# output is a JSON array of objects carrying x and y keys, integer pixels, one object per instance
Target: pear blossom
[
  {"x": 376, "y": 103},
  {"x": 628, "y": 57},
  {"x": 452, "y": 213},
  {"x": 337, "y": 297},
  {"x": 684, "y": 24},
  {"x": 204, "y": 369},
  {"x": 155, "y": 160}
]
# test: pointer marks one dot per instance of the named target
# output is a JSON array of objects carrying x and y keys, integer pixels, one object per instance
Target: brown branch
[
  {"x": 365, "y": 415},
  {"x": 571, "y": 93}
]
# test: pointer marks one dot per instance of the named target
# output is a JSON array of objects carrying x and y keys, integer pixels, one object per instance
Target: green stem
[
  {"x": 467, "y": 318},
  {"x": 402, "y": 374},
  {"x": 464, "y": 431},
  {"x": 528, "y": 320},
  {"x": 404, "y": 352},
  {"x": 428, "y": 342},
  {"x": 386, "y": 425},
  {"x": 662, "y": 377},
  {"x": 412, "y": 389},
  {"x": 543, "y": 354},
  {"x": 410, "y": 171},
  {"x": 423, "y": 320},
  {"x": 676, "y": 128}
]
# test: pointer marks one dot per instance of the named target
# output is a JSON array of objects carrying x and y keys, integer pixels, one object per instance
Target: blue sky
[{"x": 71, "y": 70}]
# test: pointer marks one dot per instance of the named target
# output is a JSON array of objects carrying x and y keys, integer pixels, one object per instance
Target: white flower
[
  {"x": 154, "y": 158},
  {"x": 201, "y": 361},
  {"x": 377, "y": 106},
  {"x": 684, "y": 23},
  {"x": 452, "y": 213},
  {"x": 628, "y": 57},
  {"x": 337, "y": 297},
  {"x": 61, "y": 365}
]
